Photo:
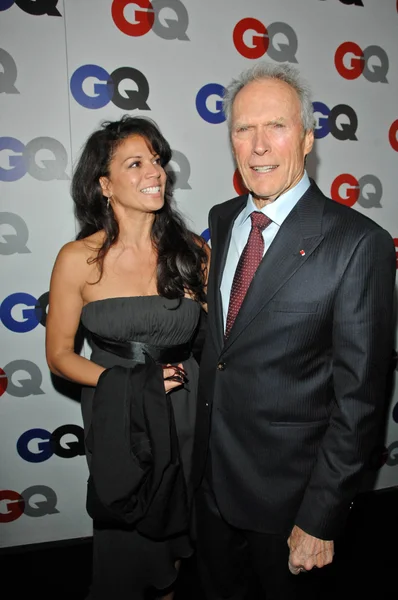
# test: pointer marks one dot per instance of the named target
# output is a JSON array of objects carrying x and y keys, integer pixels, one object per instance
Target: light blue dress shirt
[{"x": 276, "y": 211}]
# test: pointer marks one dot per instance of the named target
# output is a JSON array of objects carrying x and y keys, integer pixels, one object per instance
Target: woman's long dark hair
[{"x": 182, "y": 259}]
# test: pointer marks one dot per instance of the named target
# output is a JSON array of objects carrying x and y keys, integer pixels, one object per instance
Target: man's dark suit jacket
[{"x": 294, "y": 398}]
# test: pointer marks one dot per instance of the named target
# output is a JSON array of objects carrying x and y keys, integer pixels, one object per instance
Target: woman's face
[{"x": 136, "y": 179}]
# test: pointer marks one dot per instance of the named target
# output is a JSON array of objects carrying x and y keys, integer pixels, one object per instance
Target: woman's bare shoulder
[
  {"x": 77, "y": 257},
  {"x": 84, "y": 248}
]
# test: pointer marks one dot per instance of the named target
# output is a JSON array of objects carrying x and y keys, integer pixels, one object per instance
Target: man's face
[{"x": 268, "y": 139}]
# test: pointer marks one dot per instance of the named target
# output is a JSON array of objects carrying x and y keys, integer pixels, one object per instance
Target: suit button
[{"x": 221, "y": 366}]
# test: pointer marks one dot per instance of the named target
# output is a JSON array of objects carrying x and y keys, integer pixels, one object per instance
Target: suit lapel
[
  {"x": 299, "y": 235},
  {"x": 221, "y": 223}
]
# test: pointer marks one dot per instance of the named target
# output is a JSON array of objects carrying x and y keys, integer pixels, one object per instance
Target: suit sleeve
[{"x": 363, "y": 337}]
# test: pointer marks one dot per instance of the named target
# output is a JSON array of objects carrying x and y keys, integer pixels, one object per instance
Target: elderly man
[{"x": 293, "y": 371}]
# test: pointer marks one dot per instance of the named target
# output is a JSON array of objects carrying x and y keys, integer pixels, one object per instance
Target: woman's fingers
[{"x": 174, "y": 376}]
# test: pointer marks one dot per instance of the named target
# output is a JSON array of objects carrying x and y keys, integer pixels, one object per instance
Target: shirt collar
[{"x": 277, "y": 211}]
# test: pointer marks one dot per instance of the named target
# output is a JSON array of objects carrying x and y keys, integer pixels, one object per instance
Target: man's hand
[{"x": 307, "y": 551}]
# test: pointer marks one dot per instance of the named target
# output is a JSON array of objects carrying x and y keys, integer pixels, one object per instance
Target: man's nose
[{"x": 261, "y": 143}]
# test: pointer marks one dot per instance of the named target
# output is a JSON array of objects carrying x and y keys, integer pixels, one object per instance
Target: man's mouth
[{"x": 265, "y": 168}]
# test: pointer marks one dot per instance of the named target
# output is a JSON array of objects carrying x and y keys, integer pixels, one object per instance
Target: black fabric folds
[{"x": 136, "y": 478}]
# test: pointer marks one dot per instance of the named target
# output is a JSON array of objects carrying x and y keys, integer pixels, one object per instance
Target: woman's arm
[{"x": 68, "y": 278}]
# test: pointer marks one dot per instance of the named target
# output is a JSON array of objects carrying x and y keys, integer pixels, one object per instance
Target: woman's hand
[{"x": 174, "y": 377}]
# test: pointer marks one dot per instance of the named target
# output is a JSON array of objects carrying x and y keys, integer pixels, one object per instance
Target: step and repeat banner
[{"x": 67, "y": 65}]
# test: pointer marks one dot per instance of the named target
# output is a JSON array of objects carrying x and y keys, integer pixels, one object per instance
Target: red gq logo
[
  {"x": 358, "y": 62},
  {"x": 239, "y": 186},
  {"x": 145, "y": 18},
  {"x": 262, "y": 40},
  {"x": 393, "y": 134},
  {"x": 352, "y": 192}
]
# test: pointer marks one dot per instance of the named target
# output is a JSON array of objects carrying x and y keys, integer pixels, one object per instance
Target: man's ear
[
  {"x": 308, "y": 141},
  {"x": 105, "y": 186}
]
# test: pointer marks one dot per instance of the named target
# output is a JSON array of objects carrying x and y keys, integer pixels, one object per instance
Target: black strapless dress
[{"x": 125, "y": 563}]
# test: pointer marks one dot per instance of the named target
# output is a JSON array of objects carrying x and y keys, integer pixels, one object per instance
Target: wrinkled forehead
[{"x": 266, "y": 99}]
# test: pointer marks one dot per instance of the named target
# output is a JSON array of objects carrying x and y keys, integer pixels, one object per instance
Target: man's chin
[{"x": 263, "y": 196}]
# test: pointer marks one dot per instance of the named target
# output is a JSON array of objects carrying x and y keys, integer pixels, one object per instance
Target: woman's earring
[{"x": 108, "y": 202}]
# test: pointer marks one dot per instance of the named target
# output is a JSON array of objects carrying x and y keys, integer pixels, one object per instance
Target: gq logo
[
  {"x": 238, "y": 184},
  {"x": 13, "y": 243},
  {"x": 38, "y": 445},
  {"x": 145, "y": 16},
  {"x": 350, "y": 2},
  {"x": 384, "y": 456},
  {"x": 328, "y": 121},
  {"x": 23, "y": 159},
  {"x": 37, "y": 7},
  {"x": 21, "y": 312},
  {"x": 367, "y": 190},
  {"x": 393, "y": 135},
  {"x": 9, "y": 74},
  {"x": 351, "y": 62},
  {"x": 13, "y": 505},
  {"x": 209, "y": 103},
  {"x": 183, "y": 172},
  {"x": 252, "y": 40},
  {"x": 105, "y": 88},
  {"x": 28, "y": 383},
  {"x": 206, "y": 235}
]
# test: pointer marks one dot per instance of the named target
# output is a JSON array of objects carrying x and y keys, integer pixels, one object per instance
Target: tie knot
[{"x": 259, "y": 220}]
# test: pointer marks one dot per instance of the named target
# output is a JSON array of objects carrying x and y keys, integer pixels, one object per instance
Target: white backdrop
[{"x": 169, "y": 60}]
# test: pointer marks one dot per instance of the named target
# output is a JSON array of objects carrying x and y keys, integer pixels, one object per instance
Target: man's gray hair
[{"x": 264, "y": 70}]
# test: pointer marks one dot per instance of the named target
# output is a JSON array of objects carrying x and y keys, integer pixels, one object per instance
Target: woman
[{"x": 135, "y": 277}]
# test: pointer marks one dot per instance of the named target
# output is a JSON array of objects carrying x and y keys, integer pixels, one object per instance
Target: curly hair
[{"x": 182, "y": 258}]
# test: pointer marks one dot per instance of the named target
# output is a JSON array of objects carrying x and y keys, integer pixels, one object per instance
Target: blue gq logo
[
  {"x": 327, "y": 121},
  {"x": 23, "y": 160},
  {"x": 48, "y": 444},
  {"x": 206, "y": 234},
  {"x": 31, "y": 313},
  {"x": 37, "y": 8},
  {"x": 106, "y": 88},
  {"x": 208, "y": 91}
]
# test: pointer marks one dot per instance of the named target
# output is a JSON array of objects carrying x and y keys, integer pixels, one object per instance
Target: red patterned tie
[{"x": 247, "y": 266}]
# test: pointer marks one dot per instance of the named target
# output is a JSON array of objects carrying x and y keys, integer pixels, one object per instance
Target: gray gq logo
[
  {"x": 22, "y": 159},
  {"x": 173, "y": 29},
  {"x": 9, "y": 75},
  {"x": 13, "y": 243},
  {"x": 24, "y": 386},
  {"x": 184, "y": 172}
]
